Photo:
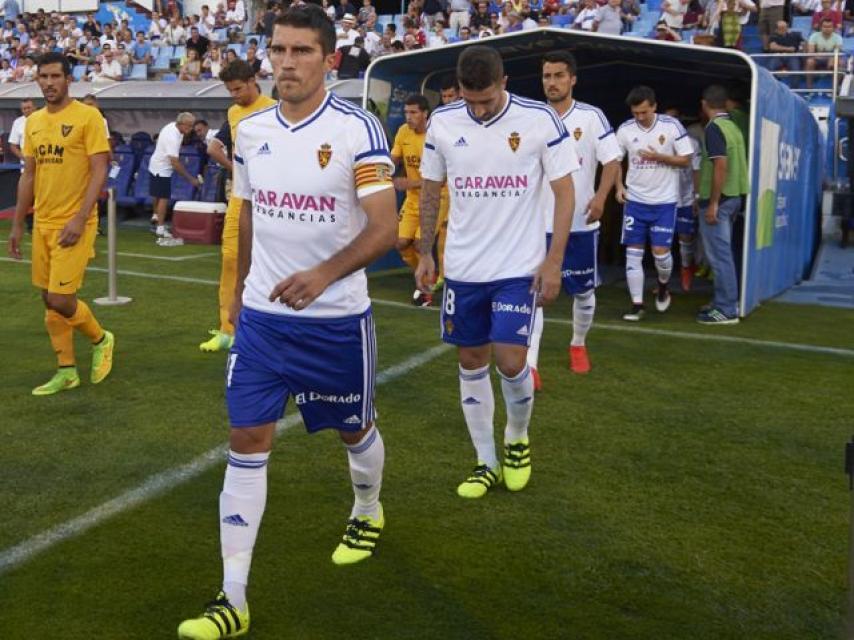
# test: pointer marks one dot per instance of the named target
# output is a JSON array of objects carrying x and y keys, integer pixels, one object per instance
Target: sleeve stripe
[
  {"x": 429, "y": 146},
  {"x": 558, "y": 140},
  {"x": 376, "y": 135},
  {"x": 525, "y": 104},
  {"x": 610, "y": 132},
  {"x": 682, "y": 136},
  {"x": 372, "y": 152},
  {"x": 238, "y": 159}
]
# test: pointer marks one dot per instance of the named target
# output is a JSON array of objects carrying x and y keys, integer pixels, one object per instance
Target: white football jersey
[
  {"x": 496, "y": 171},
  {"x": 594, "y": 142},
  {"x": 686, "y": 176},
  {"x": 304, "y": 181},
  {"x": 652, "y": 182}
]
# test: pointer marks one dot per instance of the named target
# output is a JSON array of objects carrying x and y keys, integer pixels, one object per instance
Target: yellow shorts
[
  {"x": 60, "y": 269},
  {"x": 410, "y": 221}
]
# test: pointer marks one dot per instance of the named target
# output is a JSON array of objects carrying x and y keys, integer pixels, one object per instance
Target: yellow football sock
[
  {"x": 84, "y": 321},
  {"x": 61, "y": 337},
  {"x": 410, "y": 256},
  {"x": 227, "y": 281}
]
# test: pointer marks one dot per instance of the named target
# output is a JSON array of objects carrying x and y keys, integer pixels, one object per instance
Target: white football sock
[
  {"x": 583, "y": 309},
  {"x": 664, "y": 266},
  {"x": 478, "y": 409},
  {"x": 518, "y": 394},
  {"x": 161, "y": 229},
  {"x": 634, "y": 274},
  {"x": 686, "y": 253},
  {"x": 366, "y": 459},
  {"x": 241, "y": 507},
  {"x": 536, "y": 336}
]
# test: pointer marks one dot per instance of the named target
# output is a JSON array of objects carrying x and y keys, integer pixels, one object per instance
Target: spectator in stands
[
  {"x": 207, "y": 18},
  {"x": 156, "y": 26},
  {"x": 770, "y": 13},
  {"x": 673, "y": 13},
  {"x": 826, "y": 41},
  {"x": 108, "y": 37},
  {"x": 414, "y": 30},
  {"x": 230, "y": 56},
  {"x": 7, "y": 73},
  {"x": 587, "y": 16},
  {"x": 140, "y": 50},
  {"x": 26, "y": 72},
  {"x": 829, "y": 13},
  {"x": 609, "y": 19},
  {"x": 174, "y": 33},
  {"x": 111, "y": 69},
  {"x": 235, "y": 16},
  {"x": 368, "y": 14},
  {"x": 192, "y": 67},
  {"x": 16, "y": 133},
  {"x": 11, "y": 9},
  {"x": 459, "y": 15},
  {"x": 329, "y": 8},
  {"x": 434, "y": 10},
  {"x": 806, "y": 7},
  {"x": 346, "y": 33},
  {"x": 164, "y": 162},
  {"x": 372, "y": 40},
  {"x": 480, "y": 17},
  {"x": 354, "y": 59},
  {"x": 631, "y": 10},
  {"x": 123, "y": 58},
  {"x": 465, "y": 35},
  {"x": 198, "y": 43},
  {"x": 203, "y": 132},
  {"x": 252, "y": 59},
  {"x": 213, "y": 62},
  {"x": 528, "y": 22},
  {"x": 495, "y": 25},
  {"x": 391, "y": 31},
  {"x": 665, "y": 33}
]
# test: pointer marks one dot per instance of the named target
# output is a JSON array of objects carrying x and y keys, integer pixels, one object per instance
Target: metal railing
[{"x": 835, "y": 69}]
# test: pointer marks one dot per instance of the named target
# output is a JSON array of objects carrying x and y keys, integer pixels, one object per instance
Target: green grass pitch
[{"x": 687, "y": 488}]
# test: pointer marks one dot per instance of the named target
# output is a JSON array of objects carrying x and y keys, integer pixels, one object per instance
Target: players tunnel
[{"x": 781, "y": 215}]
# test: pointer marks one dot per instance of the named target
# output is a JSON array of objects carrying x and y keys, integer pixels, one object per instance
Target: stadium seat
[
  {"x": 163, "y": 60},
  {"x": 180, "y": 52},
  {"x": 562, "y": 20},
  {"x": 78, "y": 72},
  {"x": 169, "y": 77},
  {"x": 848, "y": 44},
  {"x": 181, "y": 189},
  {"x": 125, "y": 158},
  {"x": 139, "y": 72},
  {"x": 140, "y": 143},
  {"x": 221, "y": 35},
  {"x": 237, "y": 48},
  {"x": 214, "y": 177},
  {"x": 802, "y": 24},
  {"x": 142, "y": 181}
]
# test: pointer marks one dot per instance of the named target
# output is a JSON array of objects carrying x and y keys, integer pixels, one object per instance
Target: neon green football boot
[
  {"x": 102, "y": 358},
  {"x": 481, "y": 480},
  {"x": 220, "y": 341},
  {"x": 360, "y": 539},
  {"x": 221, "y": 619},
  {"x": 64, "y": 379},
  {"x": 517, "y": 464}
]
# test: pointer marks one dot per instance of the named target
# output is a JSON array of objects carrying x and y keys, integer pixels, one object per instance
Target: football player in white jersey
[
  {"x": 687, "y": 209},
  {"x": 495, "y": 149},
  {"x": 314, "y": 174},
  {"x": 657, "y": 147},
  {"x": 595, "y": 144}
]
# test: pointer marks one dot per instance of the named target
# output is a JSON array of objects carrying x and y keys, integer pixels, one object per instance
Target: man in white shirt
[
  {"x": 595, "y": 144},
  {"x": 347, "y": 34},
  {"x": 373, "y": 41},
  {"x": 673, "y": 12},
  {"x": 657, "y": 146},
  {"x": 496, "y": 150},
  {"x": 235, "y": 16},
  {"x": 16, "y": 133},
  {"x": 174, "y": 33},
  {"x": 304, "y": 323},
  {"x": 156, "y": 26},
  {"x": 111, "y": 70},
  {"x": 164, "y": 162}
]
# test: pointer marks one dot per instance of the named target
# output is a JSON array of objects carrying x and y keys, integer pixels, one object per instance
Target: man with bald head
[
  {"x": 784, "y": 41},
  {"x": 164, "y": 162}
]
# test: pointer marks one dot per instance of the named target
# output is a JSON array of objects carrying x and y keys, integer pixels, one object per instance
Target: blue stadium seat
[
  {"x": 139, "y": 72},
  {"x": 169, "y": 77},
  {"x": 180, "y": 52},
  {"x": 848, "y": 45},
  {"x": 181, "y": 189},
  {"x": 124, "y": 156},
  {"x": 212, "y": 186},
  {"x": 78, "y": 72},
  {"x": 237, "y": 48},
  {"x": 142, "y": 182},
  {"x": 562, "y": 20},
  {"x": 802, "y": 24},
  {"x": 161, "y": 63},
  {"x": 140, "y": 143}
]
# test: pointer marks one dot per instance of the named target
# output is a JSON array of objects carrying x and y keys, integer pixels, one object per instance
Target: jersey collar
[
  {"x": 654, "y": 122},
  {"x": 305, "y": 121},
  {"x": 495, "y": 118}
]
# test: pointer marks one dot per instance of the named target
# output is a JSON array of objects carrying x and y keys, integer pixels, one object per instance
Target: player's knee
[
  {"x": 355, "y": 437},
  {"x": 660, "y": 252},
  {"x": 63, "y": 304},
  {"x": 512, "y": 361},
  {"x": 252, "y": 439},
  {"x": 471, "y": 358}
]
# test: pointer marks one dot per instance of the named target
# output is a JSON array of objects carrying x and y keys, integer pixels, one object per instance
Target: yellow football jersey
[
  {"x": 409, "y": 146},
  {"x": 61, "y": 143},
  {"x": 236, "y": 113}
]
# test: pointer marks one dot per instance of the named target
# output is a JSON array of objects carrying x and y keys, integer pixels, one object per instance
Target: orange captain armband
[{"x": 371, "y": 178}]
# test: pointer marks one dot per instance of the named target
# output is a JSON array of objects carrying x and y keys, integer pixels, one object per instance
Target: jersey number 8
[{"x": 449, "y": 301}]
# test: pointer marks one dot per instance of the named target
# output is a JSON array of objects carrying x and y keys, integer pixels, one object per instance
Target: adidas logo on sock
[
  {"x": 461, "y": 142},
  {"x": 235, "y": 520},
  {"x": 354, "y": 419},
  {"x": 523, "y": 330},
  {"x": 265, "y": 149},
  {"x": 471, "y": 401}
]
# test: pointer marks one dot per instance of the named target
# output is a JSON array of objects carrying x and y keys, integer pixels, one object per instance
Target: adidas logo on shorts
[{"x": 354, "y": 419}]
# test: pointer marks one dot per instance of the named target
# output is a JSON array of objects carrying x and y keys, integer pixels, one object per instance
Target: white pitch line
[
  {"x": 149, "y": 256},
  {"x": 606, "y": 326},
  {"x": 165, "y": 481}
]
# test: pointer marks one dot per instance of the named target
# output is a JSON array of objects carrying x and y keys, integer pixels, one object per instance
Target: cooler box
[{"x": 198, "y": 222}]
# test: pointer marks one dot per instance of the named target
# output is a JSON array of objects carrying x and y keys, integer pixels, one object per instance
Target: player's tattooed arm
[{"x": 431, "y": 195}]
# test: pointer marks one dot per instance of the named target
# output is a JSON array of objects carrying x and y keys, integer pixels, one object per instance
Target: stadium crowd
[{"x": 197, "y": 47}]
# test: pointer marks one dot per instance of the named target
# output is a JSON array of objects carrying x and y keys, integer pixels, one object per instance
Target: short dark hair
[
  {"x": 237, "y": 70},
  {"x": 830, "y": 20},
  {"x": 448, "y": 81},
  {"x": 310, "y": 16},
  {"x": 639, "y": 95},
  {"x": 391, "y": 27},
  {"x": 479, "y": 68},
  {"x": 54, "y": 57},
  {"x": 565, "y": 57},
  {"x": 418, "y": 100},
  {"x": 715, "y": 96},
  {"x": 201, "y": 121}
]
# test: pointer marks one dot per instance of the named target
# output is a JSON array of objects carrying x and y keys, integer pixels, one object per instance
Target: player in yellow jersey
[
  {"x": 407, "y": 150},
  {"x": 65, "y": 165},
  {"x": 239, "y": 79}
]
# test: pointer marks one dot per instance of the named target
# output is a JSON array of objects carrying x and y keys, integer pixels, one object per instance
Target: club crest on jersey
[
  {"x": 449, "y": 326},
  {"x": 514, "y": 141},
  {"x": 661, "y": 139},
  {"x": 66, "y": 129},
  {"x": 324, "y": 155},
  {"x": 577, "y": 134}
]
